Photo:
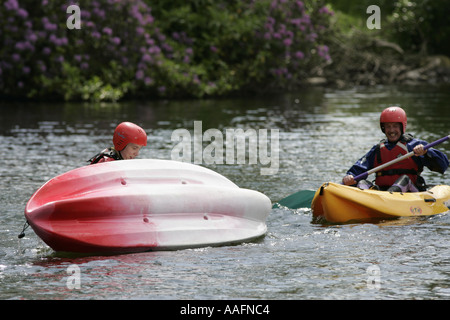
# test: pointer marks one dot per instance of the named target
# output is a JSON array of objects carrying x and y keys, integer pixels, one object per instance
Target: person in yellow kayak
[
  {"x": 403, "y": 176},
  {"x": 128, "y": 140}
]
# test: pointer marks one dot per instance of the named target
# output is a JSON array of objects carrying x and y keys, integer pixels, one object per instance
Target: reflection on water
[{"x": 321, "y": 132}]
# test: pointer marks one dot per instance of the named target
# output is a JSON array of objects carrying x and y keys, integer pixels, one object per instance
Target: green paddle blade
[{"x": 300, "y": 199}]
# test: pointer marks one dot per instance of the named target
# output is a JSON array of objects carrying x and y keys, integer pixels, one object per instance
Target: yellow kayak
[{"x": 339, "y": 203}]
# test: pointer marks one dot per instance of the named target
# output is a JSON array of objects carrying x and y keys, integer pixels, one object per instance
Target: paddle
[
  {"x": 303, "y": 198},
  {"x": 300, "y": 199}
]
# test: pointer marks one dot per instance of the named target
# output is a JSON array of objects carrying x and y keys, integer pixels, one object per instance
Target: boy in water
[{"x": 128, "y": 140}]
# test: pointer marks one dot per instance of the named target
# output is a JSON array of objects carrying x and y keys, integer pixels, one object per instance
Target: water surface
[{"x": 322, "y": 133}]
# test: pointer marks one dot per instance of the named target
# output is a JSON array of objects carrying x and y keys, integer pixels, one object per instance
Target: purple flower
[
  {"x": 107, "y": 31},
  {"x": 96, "y": 34},
  {"x": 48, "y": 25},
  {"x": 63, "y": 41},
  {"x": 325, "y": 10},
  {"x": 20, "y": 46},
  {"x": 99, "y": 13},
  {"x": 85, "y": 14},
  {"x": 22, "y": 13},
  {"x": 161, "y": 37},
  {"x": 16, "y": 57},
  {"x": 270, "y": 21},
  {"x": 167, "y": 47},
  {"x": 195, "y": 79},
  {"x": 213, "y": 49},
  {"x": 32, "y": 37},
  {"x": 189, "y": 51},
  {"x": 148, "y": 81},
  {"x": 296, "y": 21},
  {"x": 58, "y": 41},
  {"x": 287, "y": 42},
  {"x": 140, "y": 30},
  {"x": 147, "y": 58},
  {"x": 154, "y": 50},
  {"x": 11, "y": 5},
  {"x": 26, "y": 69},
  {"x": 323, "y": 52},
  {"x": 84, "y": 66},
  {"x": 116, "y": 40},
  {"x": 299, "y": 55},
  {"x": 312, "y": 36},
  {"x": 139, "y": 74}
]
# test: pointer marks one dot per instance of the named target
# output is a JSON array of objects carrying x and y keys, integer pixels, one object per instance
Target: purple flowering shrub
[
  {"x": 111, "y": 53},
  {"x": 295, "y": 35},
  {"x": 158, "y": 48}
]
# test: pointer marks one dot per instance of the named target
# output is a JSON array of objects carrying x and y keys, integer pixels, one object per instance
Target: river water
[{"x": 322, "y": 132}]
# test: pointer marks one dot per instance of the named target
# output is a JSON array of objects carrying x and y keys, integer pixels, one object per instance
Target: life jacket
[
  {"x": 108, "y": 154},
  {"x": 387, "y": 176}
]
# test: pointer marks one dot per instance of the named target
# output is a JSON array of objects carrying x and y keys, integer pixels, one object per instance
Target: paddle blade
[{"x": 300, "y": 199}]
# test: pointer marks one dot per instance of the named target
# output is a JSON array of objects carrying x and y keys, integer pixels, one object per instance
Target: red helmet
[
  {"x": 126, "y": 133},
  {"x": 393, "y": 114}
]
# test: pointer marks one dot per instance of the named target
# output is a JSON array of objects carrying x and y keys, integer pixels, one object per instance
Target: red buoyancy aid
[{"x": 387, "y": 176}]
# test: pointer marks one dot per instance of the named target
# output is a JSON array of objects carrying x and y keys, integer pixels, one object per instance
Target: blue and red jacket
[{"x": 386, "y": 151}]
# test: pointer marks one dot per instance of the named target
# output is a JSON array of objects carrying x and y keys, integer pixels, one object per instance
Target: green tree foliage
[
  {"x": 416, "y": 25},
  {"x": 422, "y": 25}
]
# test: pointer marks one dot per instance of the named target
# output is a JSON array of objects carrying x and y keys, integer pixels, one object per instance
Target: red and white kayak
[{"x": 142, "y": 205}]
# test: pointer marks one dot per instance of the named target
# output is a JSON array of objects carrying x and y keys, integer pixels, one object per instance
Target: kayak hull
[
  {"x": 142, "y": 205},
  {"x": 338, "y": 203}
]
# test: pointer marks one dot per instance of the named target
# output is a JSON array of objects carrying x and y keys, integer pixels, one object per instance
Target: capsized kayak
[
  {"x": 142, "y": 205},
  {"x": 339, "y": 203}
]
